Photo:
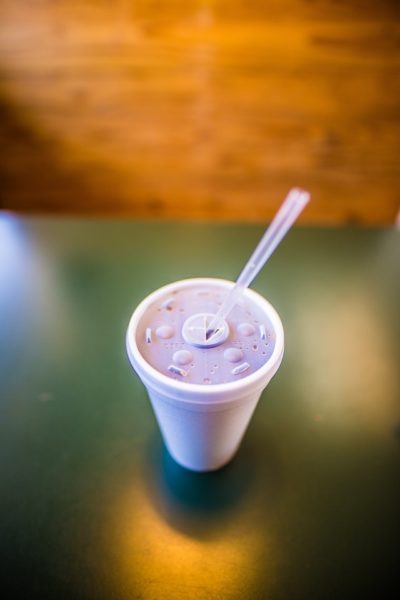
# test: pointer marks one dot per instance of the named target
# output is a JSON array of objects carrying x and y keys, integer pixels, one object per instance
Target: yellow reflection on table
[
  {"x": 347, "y": 360},
  {"x": 156, "y": 559}
]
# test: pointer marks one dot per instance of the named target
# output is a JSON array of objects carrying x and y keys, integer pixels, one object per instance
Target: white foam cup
[{"x": 203, "y": 425}]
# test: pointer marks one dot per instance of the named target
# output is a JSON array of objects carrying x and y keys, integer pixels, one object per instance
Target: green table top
[{"x": 92, "y": 506}]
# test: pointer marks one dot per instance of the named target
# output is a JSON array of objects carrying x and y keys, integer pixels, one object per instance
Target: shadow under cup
[{"x": 203, "y": 425}]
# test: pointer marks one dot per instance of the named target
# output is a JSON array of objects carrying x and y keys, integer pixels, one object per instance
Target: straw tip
[
  {"x": 305, "y": 196},
  {"x": 301, "y": 196}
]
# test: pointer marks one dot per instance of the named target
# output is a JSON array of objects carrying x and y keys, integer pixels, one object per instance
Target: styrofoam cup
[{"x": 203, "y": 425}]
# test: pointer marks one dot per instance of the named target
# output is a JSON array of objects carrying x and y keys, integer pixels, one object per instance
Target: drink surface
[{"x": 169, "y": 325}]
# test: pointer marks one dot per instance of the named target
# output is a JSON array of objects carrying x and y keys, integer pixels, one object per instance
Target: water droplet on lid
[
  {"x": 168, "y": 304},
  {"x": 164, "y": 332},
  {"x": 233, "y": 354},
  {"x": 246, "y": 329},
  {"x": 182, "y": 357}
]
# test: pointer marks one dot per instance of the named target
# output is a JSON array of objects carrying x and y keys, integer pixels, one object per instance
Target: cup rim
[{"x": 195, "y": 392}]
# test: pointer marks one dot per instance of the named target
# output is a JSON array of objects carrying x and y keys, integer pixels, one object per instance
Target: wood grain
[{"x": 200, "y": 109}]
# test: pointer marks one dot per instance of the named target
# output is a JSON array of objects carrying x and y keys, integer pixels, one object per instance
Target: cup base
[
  {"x": 199, "y": 440},
  {"x": 201, "y": 469}
]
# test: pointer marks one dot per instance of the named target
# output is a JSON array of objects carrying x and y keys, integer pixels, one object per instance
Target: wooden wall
[{"x": 205, "y": 109}]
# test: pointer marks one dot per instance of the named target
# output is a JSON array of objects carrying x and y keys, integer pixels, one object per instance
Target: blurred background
[{"x": 200, "y": 109}]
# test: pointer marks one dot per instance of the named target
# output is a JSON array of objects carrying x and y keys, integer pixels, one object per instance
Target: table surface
[{"x": 91, "y": 504}]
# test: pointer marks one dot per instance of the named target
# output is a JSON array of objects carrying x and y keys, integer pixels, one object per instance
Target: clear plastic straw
[{"x": 290, "y": 209}]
